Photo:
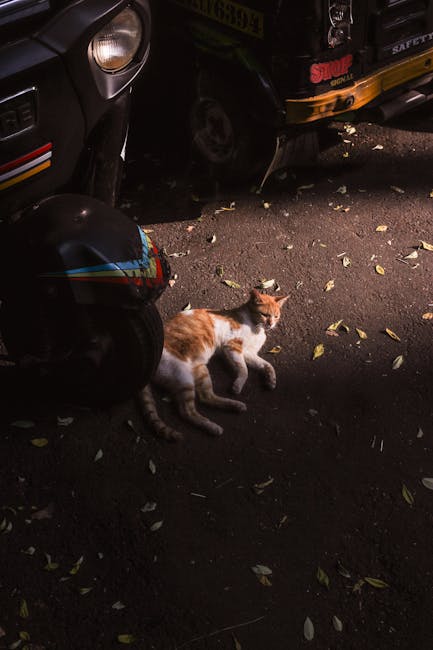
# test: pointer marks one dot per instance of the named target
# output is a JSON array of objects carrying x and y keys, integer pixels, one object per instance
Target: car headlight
[{"x": 116, "y": 45}]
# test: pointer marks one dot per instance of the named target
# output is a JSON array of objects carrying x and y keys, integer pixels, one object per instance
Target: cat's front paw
[
  {"x": 214, "y": 429},
  {"x": 240, "y": 407},
  {"x": 270, "y": 377},
  {"x": 238, "y": 384}
]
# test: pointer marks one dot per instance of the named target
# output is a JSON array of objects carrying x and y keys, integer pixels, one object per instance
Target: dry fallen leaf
[
  {"x": 411, "y": 256},
  {"x": 266, "y": 205},
  {"x": 308, "y": 629},
  {"x": 264, "y": 580},
  {"x": 261, "y": 570},
  {"x": 266, "y": 284},
  {"x": 338, "y": 625},
  {"x": 84, "y": 590},
  {"x": 24, "y": 610},
  {"x": 342, "y": 570},
  {"x": 152, "y": 467},
  {"x": 397, "y": 189},
  {"x": 322, "y": 577},
  {"x": 39, "y": 442},
  {"x": 342, "y": 189},
  {"x": 219, "y": 270},
  {"x": 362, "y": 335},
  {"x": 397, "y": 362},
  {"x": 329, "y": 285},
  {"x": 156, "y": 526},
  {"x": 212, "y": 239},
  {"x": 45, "y": 513},
  {"x": 378, "y": 147},
  {"x": 407, "y": 495},
  {"x": 318, "y": 351},
  {"x": 377, "y": 583},
  {"x": 275, "y": 350},
  {"x": 426, "y": 246},
  {"x": 64, "y": 422},
  {"x": 379, "y": 269},
  {"x": 392, "y": 334},
  {"x": 237, "y": 645},
  {"x": 231, "y": 284},
  {"x": 428, "y": 315},
  {"x": 99, "y": 455},
  {"x": 428, "y": 483},
  {"x": 346, "y": 261},
  {"x": 23, "y": 424},
  {"x": 334, "y": 326},
  {"x": 149, "y": 506},
  {"x": 76, "y": 566},
  {"x": 187, "y": 307},
  {"x": 381, "y": 228},
  {"x": 118, "y": 605},
  {"x": 126, "y": 638}
]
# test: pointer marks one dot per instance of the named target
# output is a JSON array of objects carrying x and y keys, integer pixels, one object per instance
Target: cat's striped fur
[{"x": 191, "y": 339}]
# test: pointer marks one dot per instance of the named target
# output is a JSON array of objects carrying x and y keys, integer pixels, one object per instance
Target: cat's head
[{"x": 265, "y": 310}]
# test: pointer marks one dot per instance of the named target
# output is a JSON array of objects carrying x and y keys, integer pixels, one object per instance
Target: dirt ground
[{"x": 311, "y": 506}]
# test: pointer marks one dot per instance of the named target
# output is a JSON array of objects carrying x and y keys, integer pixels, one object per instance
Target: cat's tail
[{"x": 148, "y": 405}]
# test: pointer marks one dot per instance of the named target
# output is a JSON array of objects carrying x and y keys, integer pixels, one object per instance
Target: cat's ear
[
  {"x": 255, "y": 297},
  {"x": 281, "y": 300}
]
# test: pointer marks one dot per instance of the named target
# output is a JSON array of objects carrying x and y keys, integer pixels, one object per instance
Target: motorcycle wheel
[
  {"x": 224, "y": 135},
  {"x": 117, "y": 357}
]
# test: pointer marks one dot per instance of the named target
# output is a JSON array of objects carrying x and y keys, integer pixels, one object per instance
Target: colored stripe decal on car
[{"x": 24, "y": 167}]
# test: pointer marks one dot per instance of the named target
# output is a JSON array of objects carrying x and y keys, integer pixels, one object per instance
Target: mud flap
[{"x": 298, "y": 150}]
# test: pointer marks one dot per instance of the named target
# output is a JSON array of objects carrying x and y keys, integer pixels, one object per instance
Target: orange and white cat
[{"x": 191, "y": 338}]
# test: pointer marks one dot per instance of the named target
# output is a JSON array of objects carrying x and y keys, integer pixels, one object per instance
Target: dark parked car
[
  {"x": 271, "y": 73},
  {"x": 78, "y": 279}
]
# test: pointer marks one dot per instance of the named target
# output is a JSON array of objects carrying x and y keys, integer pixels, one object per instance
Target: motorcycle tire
[
  {"x": 224, "y": 135},
  {"x": 117, "y": 357}
]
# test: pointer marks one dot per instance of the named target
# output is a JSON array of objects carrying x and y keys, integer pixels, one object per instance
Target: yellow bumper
[{"x": 334, "y": 102}]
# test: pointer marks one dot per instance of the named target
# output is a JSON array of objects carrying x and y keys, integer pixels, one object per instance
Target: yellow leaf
[
  {"x": 377, "y": 583},
  {"x": 379, "y": 269},
  {"x": 362, "y": 335},
  {"x": 275, "y": 350},
  {"x": 236, "y": 643},
  {"x": 39, "y": 442},
  {"x": 407, "y": 495},
  {"x": 318, "y": 351},
  {"x": 428, "y": 315},
  {"x": 346, "y": 262},
  {"x": 264, "y": 580},
  {"x": 24, "y": 610},
  {"x": 381, "y": 228},
  {"x": 126, "y": 638},
  {"x": 392, "y": 334},
  {"x": 426, "y": 246},
  {"x": 334, "y": 326},
  {"x": 322, "y": 577},
  {"x": 345, "y": 327},
  {"x": 24, "y": 636},
  {"x": 329, "y": 285},
  {"x": 231, "y": 284}
]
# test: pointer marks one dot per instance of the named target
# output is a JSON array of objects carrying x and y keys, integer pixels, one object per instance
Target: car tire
[{"x": 223, "y": 133}]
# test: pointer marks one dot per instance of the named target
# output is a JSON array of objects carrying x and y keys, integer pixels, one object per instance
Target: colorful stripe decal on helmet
[{"x": 147, "y": 269}]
